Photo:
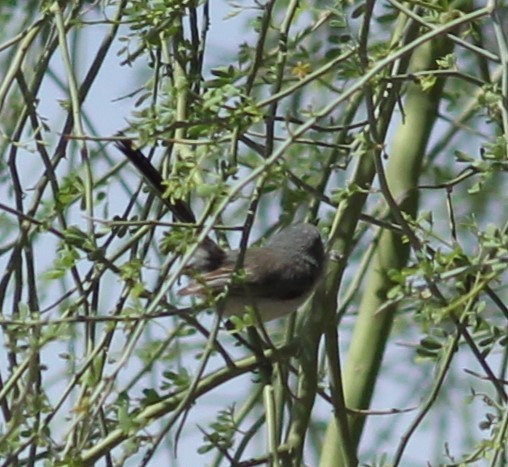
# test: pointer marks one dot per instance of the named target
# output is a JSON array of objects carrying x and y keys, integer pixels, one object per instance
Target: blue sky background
[{"x": 108, "y": 114}]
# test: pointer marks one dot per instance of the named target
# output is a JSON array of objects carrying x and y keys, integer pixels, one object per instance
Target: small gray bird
[{"x": 277, "y": 278}]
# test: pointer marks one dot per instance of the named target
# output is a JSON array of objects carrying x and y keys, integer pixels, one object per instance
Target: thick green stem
[{"x": 372, "y": 329}]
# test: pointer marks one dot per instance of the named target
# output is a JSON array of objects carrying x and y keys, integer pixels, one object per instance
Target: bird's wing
[{"x": 210, "y": 282}]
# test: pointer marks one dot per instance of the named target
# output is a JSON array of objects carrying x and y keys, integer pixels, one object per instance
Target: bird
[
  {"x": 277, "y": 278},
  {"x": 273, "y": 280}
]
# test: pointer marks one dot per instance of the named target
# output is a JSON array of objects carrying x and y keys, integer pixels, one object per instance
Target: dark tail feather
[
  {"x": 179, "y": 209},
  {"x": 214, "y": 255}
]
